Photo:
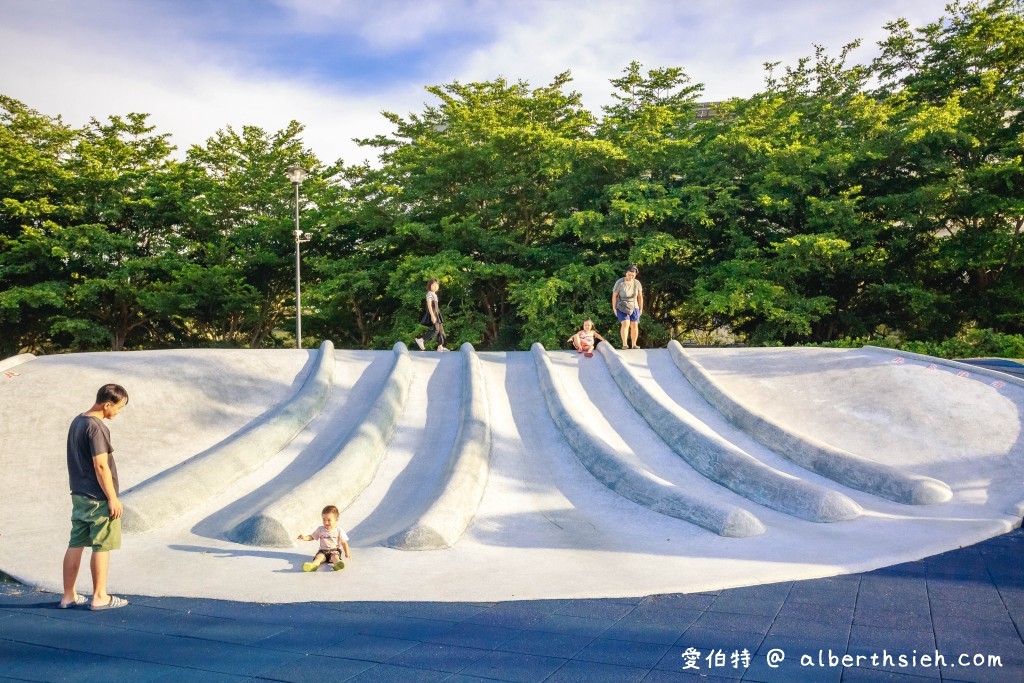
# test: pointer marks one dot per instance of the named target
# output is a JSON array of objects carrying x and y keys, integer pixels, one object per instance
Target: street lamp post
[{"x": 297, "y": 174}]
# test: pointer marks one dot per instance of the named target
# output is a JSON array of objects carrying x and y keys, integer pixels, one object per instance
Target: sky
[{"x": 198, "y": 66}]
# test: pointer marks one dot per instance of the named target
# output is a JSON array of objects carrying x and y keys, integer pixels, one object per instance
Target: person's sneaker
[
  {"x": 339, "y": 565},
  {"x": 442, "y": 349},
  {"x": 419, "y": 343},
  {"x": 308, "y": 567}
]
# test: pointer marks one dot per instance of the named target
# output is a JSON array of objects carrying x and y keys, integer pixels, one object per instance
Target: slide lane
[
  {"x": 690, "y": 496},
  {"x": 842, "y": 466},
  {"x": 721, "y": 461},
  {"x": 416, "y": 455},
  {"x": 343, "y": 477}
]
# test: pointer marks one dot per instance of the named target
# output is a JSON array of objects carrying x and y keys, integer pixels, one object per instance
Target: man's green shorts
[{"x": 91, "y": 525}]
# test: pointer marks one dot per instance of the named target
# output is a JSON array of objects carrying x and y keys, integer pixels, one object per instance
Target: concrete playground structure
[{"x": 523, "y": 475}]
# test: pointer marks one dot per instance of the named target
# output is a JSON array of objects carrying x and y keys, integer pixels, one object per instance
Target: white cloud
[{"x": 82, "y": 59}]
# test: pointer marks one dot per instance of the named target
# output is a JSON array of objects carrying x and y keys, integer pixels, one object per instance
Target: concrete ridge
[
  {"x": 340, "y": 480},
  {"x": 836, "y": 464},
  {"x": 8, "y": 363},
  {"x": 724, "y": 463},
  {"x": 458, "y": 493},
  {"x": 173, "y": 492},
  {"x": 629, "y": 481},
  {"x": 967, "y": 367}
]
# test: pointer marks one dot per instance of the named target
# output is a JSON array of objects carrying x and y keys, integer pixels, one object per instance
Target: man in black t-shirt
[{"x": 96, "y": 509}]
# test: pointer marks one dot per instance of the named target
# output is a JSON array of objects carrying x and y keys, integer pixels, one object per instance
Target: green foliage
[{"x": 843, "y": 202}]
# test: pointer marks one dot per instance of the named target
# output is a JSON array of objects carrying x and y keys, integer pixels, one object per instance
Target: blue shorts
[{"x": 632, "y": 317}]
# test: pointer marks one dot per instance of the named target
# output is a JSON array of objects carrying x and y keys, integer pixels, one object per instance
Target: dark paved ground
[{"x": 965, "y": 602}]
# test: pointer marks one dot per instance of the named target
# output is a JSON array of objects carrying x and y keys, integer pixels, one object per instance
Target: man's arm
[
  {"x": 640, "y": 300},
  {"x": 102, "y": 466}
]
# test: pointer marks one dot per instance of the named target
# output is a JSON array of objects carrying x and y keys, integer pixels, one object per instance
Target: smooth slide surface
[{"x": 531, "y": 519}]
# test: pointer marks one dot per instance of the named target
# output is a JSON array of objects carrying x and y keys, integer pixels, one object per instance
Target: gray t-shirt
[
  {"x": 628, "y": 292},
  {"x": 87, "y": 438}
]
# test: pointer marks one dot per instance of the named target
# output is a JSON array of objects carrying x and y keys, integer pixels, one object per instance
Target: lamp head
[{"x": 296, "y": 174}]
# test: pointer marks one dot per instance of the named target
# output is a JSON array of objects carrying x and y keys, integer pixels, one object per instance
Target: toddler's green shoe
[
  {"x": 339, "y": 565},
  {"x": 308, "y": 567}
]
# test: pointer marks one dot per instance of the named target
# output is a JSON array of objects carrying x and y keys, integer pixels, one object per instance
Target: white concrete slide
[
  {"x": 344, "y": 476},
  {"x": 458, "y": 494},
  {"x": 629, "y": 481},
  {"x": 836, "y": 464},
  {"x": 14, "y": 361},
  {"x": 956, "y": 365},
  {"x": 166, "y": 496},
  {"x": 724, "y": 463}
]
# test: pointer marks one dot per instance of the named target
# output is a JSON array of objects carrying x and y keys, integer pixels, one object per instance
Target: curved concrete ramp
[
  {"x": 629, "y": 481},
  {"x": 172, "y": 492},
  {"x": 844, "y": 467},
  {"x": 722, "y": 462},
  {"x": 457, "y": 497},
  {"x": 544, "y": 526},
  {"x": 343, "y": 477}
]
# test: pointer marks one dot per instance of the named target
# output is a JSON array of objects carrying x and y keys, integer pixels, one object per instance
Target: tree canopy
[{"x": 843, "y": 200}]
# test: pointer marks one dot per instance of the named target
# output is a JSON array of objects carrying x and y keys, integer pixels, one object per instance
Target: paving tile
[
  {"x": 792, "y": 627},
  {"x": 891, "y": 639},
  {"x": 623, "y": 653},
  {"x": 388, "y": 673},
  {"x": 514, "y": 615},
  {"x": 314, "y": 667},
  {"x": 987, "y": 632},
  {"x": 580, "y": 626},
  {"x": 406, "y": 628},
  {"x": 812, "y": 593},
  {"x": 191, "y": 676},
  {"x": 512, "y": 620},
  {"x": 238, "y": 631},
  {"x": 959, "y": 590},
  {"x": 645, "y": 632},
  {"x": 562, "y": 645},
  {"x": 474, "y": 635},
  {"x": 916, "y": 569},
  {"x": 980, "y": 611},
  {"x": 825, "y": 614},
  {"x": 157, "y": 620},
  {"x": 379, "y": 610},
  {"x": 514, "y": 666},
  {"x": 895, "y": 601},
  {"x": 597, "y": 609},
  {"x": 866, "y": 616},
  {"x": 692, "y": 601},
  {"x": 741, "y": 604},
  {"x": 578, "y": 671},
  {"x": 724, "y": 621},
  {"x": 654, "y": 613},
  {"x": 22, "y": 661},
  {"x": 859, "y": 675},
  {"x": 306, "y": 640},
  {"x": 371, "y": 648},
  {"x": 444, "y": 611},
  {"x": 437, "y": 657}
]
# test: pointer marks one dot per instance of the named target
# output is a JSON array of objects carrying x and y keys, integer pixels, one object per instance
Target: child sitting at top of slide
[
  {"x": 333, "y": 540},
  {"x": 583, "y": 340}
]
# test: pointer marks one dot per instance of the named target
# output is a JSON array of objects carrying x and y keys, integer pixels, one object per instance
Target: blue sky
[{"x": 199, "y": 65}]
